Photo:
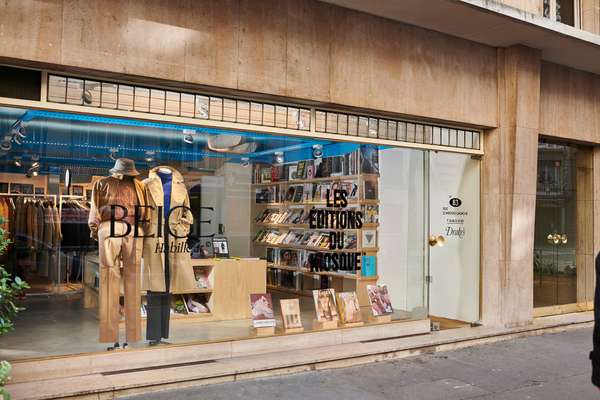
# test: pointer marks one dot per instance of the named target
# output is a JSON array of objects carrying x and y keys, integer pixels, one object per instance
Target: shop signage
[
  {"x": 454, "y": 218},
  {"x": 337, "y": 218}
]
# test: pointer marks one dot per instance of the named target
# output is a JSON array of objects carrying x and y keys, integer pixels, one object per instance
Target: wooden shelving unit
[{"x": 338, "y": 280}]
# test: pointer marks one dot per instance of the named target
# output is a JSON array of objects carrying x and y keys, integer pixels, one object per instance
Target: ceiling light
[
  {"x": 278, "y": 157},
  {"x": 87, "y": 97},
  {"x": 230, "y": 144},
  {"x": 317, "y": 151},
  {"x": 245, "y": 161},
  {"x": 35, "y": 164},
  {"x": 188, "y": 136},
  {"x": 18, "y": 162},
  {"x": 6, "y": 144},
  {"x": 35, "y": 173},
  {"x": 18, "y": 132},
  {"x": 150, "y": 156},
  {"x": 113, "y": 153}
]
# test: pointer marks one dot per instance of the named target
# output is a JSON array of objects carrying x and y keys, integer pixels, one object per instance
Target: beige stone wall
[
  {"x": 590, "y": 15},
  {"x": 531, "y": 6},
  {"x": 570, "y": 103},
  {"x": 298, "y": 48}
]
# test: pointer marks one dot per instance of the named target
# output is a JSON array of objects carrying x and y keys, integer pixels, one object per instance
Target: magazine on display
[
  {"x": 349, "y": 307},
  {"x": 325, "y": 305},
  {"x": 261, "y": 306},
  {"x": 290, "y": 313},
  {"x": 379, "y": 299}
]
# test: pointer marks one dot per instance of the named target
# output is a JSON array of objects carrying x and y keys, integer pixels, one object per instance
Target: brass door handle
[
  {"x": 437, "y": 240},
  {"x": 556, "y": 238}
]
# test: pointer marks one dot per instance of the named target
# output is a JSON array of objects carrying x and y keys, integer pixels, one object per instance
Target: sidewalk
[{"x": 550, "y": 366}]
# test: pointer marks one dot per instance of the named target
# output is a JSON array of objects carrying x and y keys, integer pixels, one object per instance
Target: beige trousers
[{"x": 120, "y": 257}]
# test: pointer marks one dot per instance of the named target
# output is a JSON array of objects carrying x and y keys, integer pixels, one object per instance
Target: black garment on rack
[
  {"x": 158, "y": 309},
  {"x": 74, "y": 227}
]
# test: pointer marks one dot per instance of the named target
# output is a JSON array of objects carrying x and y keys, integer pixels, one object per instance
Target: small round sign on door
[{"x": 455, "y": 202}]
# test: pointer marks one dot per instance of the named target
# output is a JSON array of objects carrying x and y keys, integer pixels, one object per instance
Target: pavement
[{"x": 548, "y": 367}]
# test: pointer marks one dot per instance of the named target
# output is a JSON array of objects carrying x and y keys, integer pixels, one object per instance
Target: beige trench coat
[{"x": 153, "y": 261}]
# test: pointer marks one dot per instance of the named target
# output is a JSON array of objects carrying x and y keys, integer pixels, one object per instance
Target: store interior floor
[{"x": 59, "y": 325}]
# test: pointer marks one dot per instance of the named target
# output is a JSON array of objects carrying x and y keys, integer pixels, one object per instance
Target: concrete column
[{"x": 509, "y": 190}]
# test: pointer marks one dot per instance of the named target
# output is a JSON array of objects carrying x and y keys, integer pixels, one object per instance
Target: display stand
[
  {"x": 353, "y": 324},
  {"x": 293, "y": 330},
  {"x": 265, "y": 331},
  {"x": 322, "y": 325},
  {"x": 380, "y": 319}
]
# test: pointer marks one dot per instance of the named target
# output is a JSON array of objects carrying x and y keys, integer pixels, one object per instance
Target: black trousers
[{"x": 158, "y": 310}]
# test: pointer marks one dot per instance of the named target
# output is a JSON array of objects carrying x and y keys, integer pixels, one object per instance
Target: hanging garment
[{"x": 155, "y": 249}]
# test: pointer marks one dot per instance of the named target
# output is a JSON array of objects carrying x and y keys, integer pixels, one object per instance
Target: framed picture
[
  {"x": 39, "y": 190},
  {"x": 3, "y": 187},
  {"x": 26, "y": 189},
  {"x": 220, "y": 247}
]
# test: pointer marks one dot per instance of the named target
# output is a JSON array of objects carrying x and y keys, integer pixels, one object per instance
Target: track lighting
[
  {"x": 317, "y": 151},
  {"x": 35, "y": 164},
  {"x": 278, "y": 157},
  {"x": 245, "y": 161},
  {"x": 6, "y": 144},
  {"x": 35, "y": 173},
  {"x": 17, "y": 161}
]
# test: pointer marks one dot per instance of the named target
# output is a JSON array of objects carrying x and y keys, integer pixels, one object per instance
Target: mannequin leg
[
  {"x": 132, "y": 286},
  {"x": 110, "y": 277}
]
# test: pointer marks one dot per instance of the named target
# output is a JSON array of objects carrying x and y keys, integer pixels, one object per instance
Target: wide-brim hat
[{"x": 124, "y": 166}]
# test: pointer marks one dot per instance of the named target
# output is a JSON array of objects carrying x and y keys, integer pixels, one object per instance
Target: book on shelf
[
  {"x": 325, "y": 305},
  {"x": 369, "y": 159},
  {"x": 301, "y": 170},
  {"x": 292, "y": 172},
  {"x": 370, "y": 213},
  {"x": 370, "y": 190},
  {"x": 349, "y": 308},
  {"x": 290, "y": 313},
  {"x": 298, "y": 192}
]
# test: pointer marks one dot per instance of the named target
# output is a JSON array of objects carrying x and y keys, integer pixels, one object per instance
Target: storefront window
[{"x": 242, "y": 230}]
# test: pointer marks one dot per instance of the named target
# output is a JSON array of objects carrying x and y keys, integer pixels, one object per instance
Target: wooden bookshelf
[{"x": 305, "y": 202}]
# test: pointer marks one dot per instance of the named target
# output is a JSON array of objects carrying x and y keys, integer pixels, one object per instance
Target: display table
[{"x": 231, "y": 281}]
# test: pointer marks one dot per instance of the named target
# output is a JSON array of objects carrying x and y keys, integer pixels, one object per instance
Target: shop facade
[{"x": 459, "y": 174}]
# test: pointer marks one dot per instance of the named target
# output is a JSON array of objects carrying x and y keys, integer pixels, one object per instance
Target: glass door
[
  {"x": 555, "y": 245},
  {"x": 454, "y": 240}
]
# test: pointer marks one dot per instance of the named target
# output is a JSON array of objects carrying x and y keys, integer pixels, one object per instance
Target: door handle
[
  {"x": 555, "y": 238},
  {"x": 439, "y": 240}
]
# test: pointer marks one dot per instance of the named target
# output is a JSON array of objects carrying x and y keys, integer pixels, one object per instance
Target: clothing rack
[
  {"x": 60, "y": 204},
  {"x": 52, "y": 196}
]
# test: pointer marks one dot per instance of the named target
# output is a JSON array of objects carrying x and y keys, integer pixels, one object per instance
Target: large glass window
[{"x": 242, "y": 230}]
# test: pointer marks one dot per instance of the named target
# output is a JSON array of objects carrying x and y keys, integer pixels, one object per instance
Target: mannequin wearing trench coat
[{"x": 166, "y": 264}]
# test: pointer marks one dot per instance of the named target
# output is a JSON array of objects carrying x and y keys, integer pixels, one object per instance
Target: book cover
[
  {"x": 289, "y": 196},
  {"x": 298, "y": 194},
  {"x": 369, "y": 157},
  {"x": 290, "y": 313},
  {"x": 261, "y": 306},
  {"x": 368, "y": 238},
  {"x": 379, "y": 299},
  {"x": 292, "y": 172},
  {"x": 275, "y": 173},
  {"x": 348, "y": 307},
  {"x": 368, "y": 266},
  {"x": 265, "y": 175},
  {"x": 370, "y": 190},
  {"x": 301, "y": 170},
  {"x": 325, "y": 305},
  {"x": 310, "y": 169}
]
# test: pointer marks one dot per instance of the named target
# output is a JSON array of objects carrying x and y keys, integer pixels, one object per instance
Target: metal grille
[
  {"x": 127, "y": 97},
  {"x": 396, "y": 130},
  {"x": 119, "y": 96}
]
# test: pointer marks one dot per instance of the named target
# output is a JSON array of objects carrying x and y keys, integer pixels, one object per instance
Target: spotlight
[
  {"x": 150, "y": 156},
  {"x": 245, "y": 161},
  {"x": 18, "y": 162},
  {"x": 35, "y": 173},
  {"x": 188, "y": 136},
  {"x": 6, "y": 144},
  {"x": 113, "y": 153},
  {"x": 278, "y": 157},
  {"x": 18, "y": 132},
  {"x": 35, "y": 165},
  {"x": 317, "y": 151}
]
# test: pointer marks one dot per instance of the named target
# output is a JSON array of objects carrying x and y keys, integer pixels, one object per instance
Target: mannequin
[
  {"x": 119, "y": 250},
  {"x": 159, "y": 303},
  {"x": 166, "y": 267}
]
